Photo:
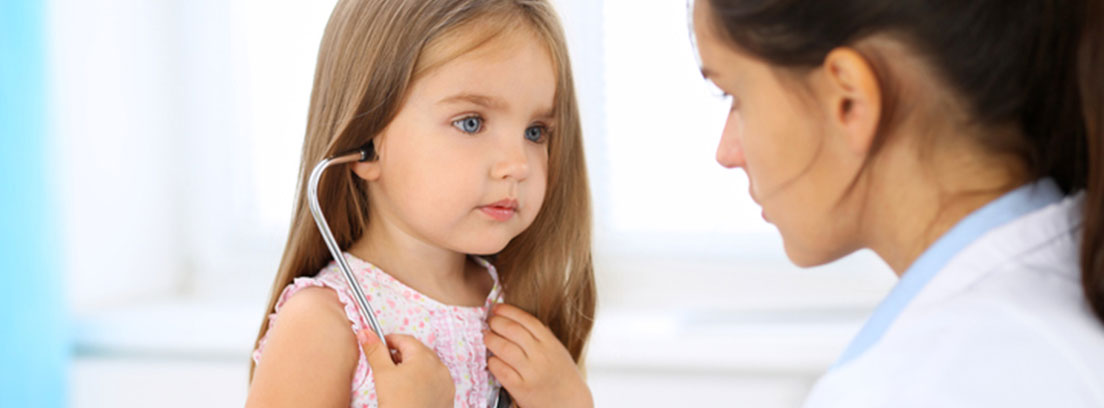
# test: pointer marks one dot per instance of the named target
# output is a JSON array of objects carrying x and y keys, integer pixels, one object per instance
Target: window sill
[
  {"x": 179, "y": 328},
  {"x": 800, "y": 342}
]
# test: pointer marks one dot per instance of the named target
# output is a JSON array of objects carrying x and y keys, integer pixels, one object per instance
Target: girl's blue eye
[
  {"x": 470, "y": 124},
  {"x": 535, "y": 133}
]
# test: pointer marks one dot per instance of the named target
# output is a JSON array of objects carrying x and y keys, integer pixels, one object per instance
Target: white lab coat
[{"x": 1003, "y": 324}]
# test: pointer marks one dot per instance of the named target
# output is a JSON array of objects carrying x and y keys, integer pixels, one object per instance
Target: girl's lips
[
  {"x": 501, "y": 210},
  {"x": 498, "y": 213}
]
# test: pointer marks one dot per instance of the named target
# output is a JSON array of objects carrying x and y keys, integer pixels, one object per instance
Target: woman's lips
[
  {"x": 751, "y": 193},
  {"x": 501, "y": 210}
]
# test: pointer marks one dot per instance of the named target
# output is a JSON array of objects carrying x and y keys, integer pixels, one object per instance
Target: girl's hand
[
  {"x": 532, "y": 363},
  {"x": 417, "y": 379}
]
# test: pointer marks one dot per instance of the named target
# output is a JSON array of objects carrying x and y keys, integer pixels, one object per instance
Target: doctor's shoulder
[
  {"x": 309, "y": 354},
  {"x": 991, "y": 355},
  {"x": 1021, "y": 337}
]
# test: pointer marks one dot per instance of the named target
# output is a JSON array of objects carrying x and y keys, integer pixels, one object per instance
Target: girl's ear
[
  {"x": 370, "y": 170},
  {"x": 854, "y": 97}
]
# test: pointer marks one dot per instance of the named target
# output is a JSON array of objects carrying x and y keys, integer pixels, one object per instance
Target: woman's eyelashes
[
  {"x": 723, "y": 95},
  {"x": 734, "y": 103},
  {"x": 473, "y": 124}
]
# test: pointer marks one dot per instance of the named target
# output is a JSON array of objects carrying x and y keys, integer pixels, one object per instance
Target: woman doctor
[{"x": 963, "y": 142}]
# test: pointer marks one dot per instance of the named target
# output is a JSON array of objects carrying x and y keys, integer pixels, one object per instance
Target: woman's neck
[
  {"x": 913, "y": 200},
  {"x": 441, "y": 274}
]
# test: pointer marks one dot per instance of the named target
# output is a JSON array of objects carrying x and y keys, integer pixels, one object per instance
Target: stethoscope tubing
[{"x": 331, "y": 243}]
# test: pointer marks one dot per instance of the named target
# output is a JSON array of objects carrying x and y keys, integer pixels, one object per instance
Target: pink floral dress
[{"x": 454, "y": 332}]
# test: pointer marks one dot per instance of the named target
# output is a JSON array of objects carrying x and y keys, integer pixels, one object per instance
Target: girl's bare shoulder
[{"x": 309, "y": 355}]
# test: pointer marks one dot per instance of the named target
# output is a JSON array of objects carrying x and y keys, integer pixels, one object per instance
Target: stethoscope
[{"x": 363, "y": 154}]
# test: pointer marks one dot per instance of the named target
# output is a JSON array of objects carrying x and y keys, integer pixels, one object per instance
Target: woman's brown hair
[
  {"x": 1036, "y": 65},
  {"x": 371, "y": 52}
]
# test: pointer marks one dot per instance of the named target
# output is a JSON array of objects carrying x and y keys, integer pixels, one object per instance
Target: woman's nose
[
  {"x": 730, "y": 151},
  {"x": 512, "y": 163}
]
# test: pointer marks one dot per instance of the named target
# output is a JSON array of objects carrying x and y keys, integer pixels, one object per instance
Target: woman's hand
[
  {"x": 532, "y": 363},
  {"x": 416, "y": 379}
]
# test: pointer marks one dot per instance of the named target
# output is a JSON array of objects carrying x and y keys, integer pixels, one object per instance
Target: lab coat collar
[{"x": 949, "y": 248}]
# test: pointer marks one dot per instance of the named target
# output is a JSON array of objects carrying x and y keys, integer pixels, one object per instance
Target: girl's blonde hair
[{"x": 371, "y": 52}]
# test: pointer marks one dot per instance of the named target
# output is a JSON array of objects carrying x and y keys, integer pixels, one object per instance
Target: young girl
[{"x": 470, "y": 107}]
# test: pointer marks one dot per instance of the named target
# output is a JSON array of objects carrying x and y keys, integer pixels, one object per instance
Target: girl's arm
[
  {"x": 532, "y": 363},
  {"x": 309, "y": 355}
]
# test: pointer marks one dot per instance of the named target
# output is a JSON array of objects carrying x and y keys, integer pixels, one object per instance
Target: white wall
[{"x": 112, "y": 83}]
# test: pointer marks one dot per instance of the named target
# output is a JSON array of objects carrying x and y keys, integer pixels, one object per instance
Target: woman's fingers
[
  {"x": 408, "y": 348},
  {"x": 416, "y": 379},
  {"x": 378, "y": 356}
]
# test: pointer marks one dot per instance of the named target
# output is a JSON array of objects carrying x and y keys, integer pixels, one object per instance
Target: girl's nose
[
  {"x": 513, "y": 163},
  {"x": 730, "y": 151}
]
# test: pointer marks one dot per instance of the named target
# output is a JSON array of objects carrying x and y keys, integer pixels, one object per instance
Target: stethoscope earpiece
[{"x": 368, "y": 152}]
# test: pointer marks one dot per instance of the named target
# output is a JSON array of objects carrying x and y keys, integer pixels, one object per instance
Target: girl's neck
[{"x": 441, "y": 274}]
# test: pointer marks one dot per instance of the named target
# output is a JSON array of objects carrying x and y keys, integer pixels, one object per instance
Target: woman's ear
[{"x": 854, "y": 97}]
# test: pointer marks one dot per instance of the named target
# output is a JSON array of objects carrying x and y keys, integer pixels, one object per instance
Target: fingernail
[{"x": 364, "y": 337}]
